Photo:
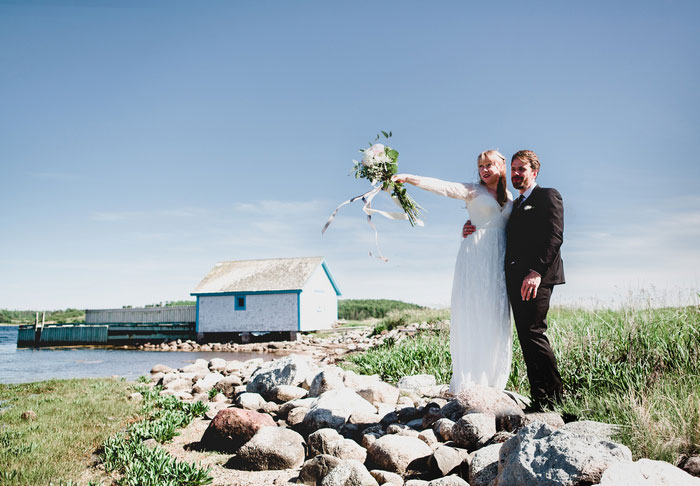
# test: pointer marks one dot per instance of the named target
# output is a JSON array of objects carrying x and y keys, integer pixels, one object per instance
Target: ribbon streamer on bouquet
[{"x": 369, "y": 211}]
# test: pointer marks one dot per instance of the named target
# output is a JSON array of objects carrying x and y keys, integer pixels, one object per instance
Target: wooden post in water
[{"x": 37, "y": 330}]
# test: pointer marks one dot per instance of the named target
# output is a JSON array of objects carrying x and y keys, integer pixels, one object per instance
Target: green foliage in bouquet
[{"x": 379, "y": 163}]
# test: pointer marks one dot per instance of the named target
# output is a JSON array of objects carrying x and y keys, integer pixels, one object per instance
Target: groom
[{"x": 533, "y": 267}]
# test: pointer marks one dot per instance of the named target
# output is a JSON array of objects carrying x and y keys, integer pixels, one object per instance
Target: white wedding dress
[{"x": 481, "y": 337}]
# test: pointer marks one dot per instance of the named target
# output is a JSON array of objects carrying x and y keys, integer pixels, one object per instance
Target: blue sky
[{"x": 142, "y": 142}]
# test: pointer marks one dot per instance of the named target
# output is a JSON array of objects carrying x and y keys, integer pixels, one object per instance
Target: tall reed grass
[{"x": 638, "y": 368}]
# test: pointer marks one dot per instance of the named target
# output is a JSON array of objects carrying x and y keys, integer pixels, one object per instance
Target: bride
[{"x": 481, "y": 338}]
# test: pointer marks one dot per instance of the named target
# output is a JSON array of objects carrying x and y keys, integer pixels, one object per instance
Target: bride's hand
[{"x": 400, "y": 178}]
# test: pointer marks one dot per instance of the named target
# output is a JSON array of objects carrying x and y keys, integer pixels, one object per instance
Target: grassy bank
[
  {"x": 636, "y": 368},
  {"x": 73, "y": 418}
]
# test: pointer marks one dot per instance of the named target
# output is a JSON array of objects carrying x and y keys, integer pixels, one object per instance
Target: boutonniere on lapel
[{"x": 527, "y": 207}]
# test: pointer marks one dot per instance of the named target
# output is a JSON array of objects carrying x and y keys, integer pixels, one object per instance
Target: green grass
[
  {"x": 636, "y": 368},
  {"x": 17, "y": 317},
  {"x": 74, "y": 417},
  {"x": 140, "y": 465}
]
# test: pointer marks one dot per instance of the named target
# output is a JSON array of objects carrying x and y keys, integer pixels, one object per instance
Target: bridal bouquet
[{"x": 379, "y": 163}]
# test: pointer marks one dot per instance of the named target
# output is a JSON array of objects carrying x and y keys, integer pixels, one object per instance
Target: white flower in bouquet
[{"x": 374, "y": 155}]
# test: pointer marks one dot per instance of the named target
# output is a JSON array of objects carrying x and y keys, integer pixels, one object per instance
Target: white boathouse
[{"x": 276, "y": 295}]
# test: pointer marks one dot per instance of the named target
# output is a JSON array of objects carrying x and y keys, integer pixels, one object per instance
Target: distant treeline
[
  {"x": 349, "y": 309},
  {"x": 28, "y": 316},
  {"x": 69, "y": 315},
  {"x": 359, "y": 309}
]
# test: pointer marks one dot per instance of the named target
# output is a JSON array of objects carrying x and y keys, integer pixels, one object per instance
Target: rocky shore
[
  {"x": 324, "y": 346},
  {"x": 300, "y": 420}
]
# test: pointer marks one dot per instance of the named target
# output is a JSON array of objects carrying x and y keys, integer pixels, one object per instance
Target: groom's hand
[
  {"x": 531, "y": 283},
  {"x": 468, "y": 228}
]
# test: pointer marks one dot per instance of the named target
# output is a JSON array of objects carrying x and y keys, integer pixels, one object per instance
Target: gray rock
[
  {"x": 296, "y": 416},
  {"x": 272, "y": 448},
  {"x": 452, "y": 480},
  {"x": 473, "y": 430},
  {"x": 691, "y": 465},
  {"x": 334, "y": 407},
  {"x": 416, "y": 382},
  {"x": 428, "y": 436},
  {"x": 160, "y": 368},
  {"x": 227, "y": 385},
  {"x": 326, "y": 380},
  {"x": 207, "y": 383},
  {"x": 349, "y": 473},
  {"x": 329, "y": 441},
  {"x": 217, "y": 365},
  {"x": 553, "y": 419},
  {"x": 287, "y": 393},
  {"x": 371, "y": 434},
  {"x": 647, "y": 472},
  {"x": 484, "y": 466},
  {"x": 540, "y": 456},
  {"x": 314, "y": 470},
  {"x": 290, "y": 370},
  {"x": 443, "y": 428},
  {"x": 285, "y": 408},
  {"x": 250, "y": 401},
  {"x": 135, "y": 397},
  {"x": 590, "y": 427},
  {"x": 446, "y": 460},
  {"x": 401, "y": 429},
  {"x": 199, "y": 366},
  {"x": 416, "y": 482},
  {"x": 233, "y": 367},
  {"x": 386, "y": 478},
  {"x": 483, "y": 399},
  {"x": 397, "y": 454},
  {"x": 379, "y": 392},
  {"x": 179, "y": 384}
]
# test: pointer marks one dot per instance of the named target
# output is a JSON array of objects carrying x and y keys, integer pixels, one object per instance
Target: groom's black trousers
[{"x": 531, "y": 322}]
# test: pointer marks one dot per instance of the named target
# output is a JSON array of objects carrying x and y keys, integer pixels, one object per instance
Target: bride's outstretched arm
[{"x": 456, "y": 190}]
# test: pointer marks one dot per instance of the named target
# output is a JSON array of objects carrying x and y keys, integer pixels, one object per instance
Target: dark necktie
[{"x": 519, "y": 201}]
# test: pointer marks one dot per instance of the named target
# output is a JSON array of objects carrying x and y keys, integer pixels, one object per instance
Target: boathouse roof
[{"x": 277, "y": 274}]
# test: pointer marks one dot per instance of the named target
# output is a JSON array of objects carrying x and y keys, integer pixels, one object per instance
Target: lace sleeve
[{"x": 455, "y": 190}]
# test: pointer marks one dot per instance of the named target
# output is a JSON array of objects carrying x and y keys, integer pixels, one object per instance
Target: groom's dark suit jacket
[{"x": 534, "y": 236}]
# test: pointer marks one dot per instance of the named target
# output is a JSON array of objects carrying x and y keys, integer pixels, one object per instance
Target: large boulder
[
  {"x": 414, "y": 383},
  {"x": 217, "y": 365},
  {"x": 314, "y": 470},
  {"x": 199, "y": 366},
  {"x": 329, "y": 441},
  {"x": 349, "y": 473},
  {"x": 386, "y": 478},
  {"x": 272, "y": 448},
  {"x": 540, "y": 456},
  {"x": 328, "y": 379},
  {"x": 452, "y": 480},
  {"x": 591, "y": 427},
  {"x": 446, "y": 459},
  {"x": 484, "y": 399},
  {"x": 287, "y": 393},
  {"x": 227, "y": 385},
  {"x": 378, "y": 391},
  {"x": 333, "y": 409},
  {"x": 484, "y": 466},
  {"x": 647, "y": 472},
  {"x": 473, "y": 430},
  {"x": 233, "y": 427},
  {"x": 205, "y": 384},
  {"x": 290, "y": 370},
  {"x": 398, "y": 454},
  {"x": 250, "y": 401}
]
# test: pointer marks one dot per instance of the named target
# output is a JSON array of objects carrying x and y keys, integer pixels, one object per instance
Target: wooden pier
[{"x": 114, "y": 326}]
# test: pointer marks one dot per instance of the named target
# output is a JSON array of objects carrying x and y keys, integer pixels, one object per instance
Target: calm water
[{"x": 28, "y": 364}]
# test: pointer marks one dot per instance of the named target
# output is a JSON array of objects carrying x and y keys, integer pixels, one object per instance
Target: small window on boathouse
[{"x": 239, "y": 302}]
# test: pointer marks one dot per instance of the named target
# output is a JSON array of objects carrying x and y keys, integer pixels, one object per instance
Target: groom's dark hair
[{"x": 528, "y": 156}]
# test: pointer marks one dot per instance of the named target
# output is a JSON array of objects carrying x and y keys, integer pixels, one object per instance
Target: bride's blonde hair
[{"x": 497, "y": 158}]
